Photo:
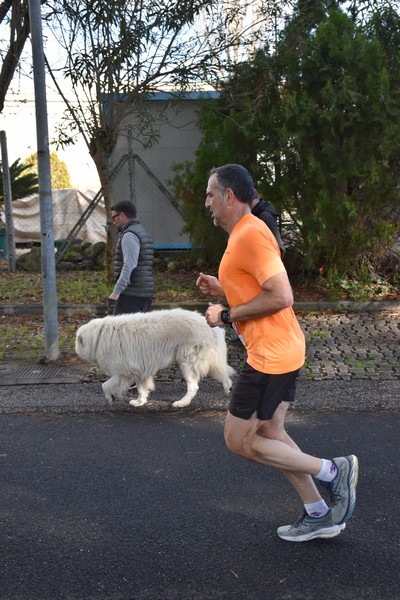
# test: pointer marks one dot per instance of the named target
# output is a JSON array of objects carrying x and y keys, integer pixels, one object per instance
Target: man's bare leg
[{"x": 268, "y": 443}]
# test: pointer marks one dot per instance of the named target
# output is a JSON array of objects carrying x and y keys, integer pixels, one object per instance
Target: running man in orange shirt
[{"x": 254, "y": 281}]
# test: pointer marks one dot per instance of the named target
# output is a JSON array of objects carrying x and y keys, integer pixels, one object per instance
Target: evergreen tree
[
  {"x": 60, "y": 178},
  {"x": 340, "y": 143},
  {"x": 316, "y": 120}
]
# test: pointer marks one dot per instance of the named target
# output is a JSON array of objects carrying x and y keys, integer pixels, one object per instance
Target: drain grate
[{"x": 31, "y": 375}]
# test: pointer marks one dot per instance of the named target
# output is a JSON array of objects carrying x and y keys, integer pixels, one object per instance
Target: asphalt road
[{"x": 151, "y": 506}]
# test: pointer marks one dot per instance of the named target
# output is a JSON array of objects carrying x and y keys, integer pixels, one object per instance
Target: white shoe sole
[{"x": 329, "y": 532}]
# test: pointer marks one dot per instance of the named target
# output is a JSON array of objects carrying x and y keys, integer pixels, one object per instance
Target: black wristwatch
[{"x": 225, "y": 316}]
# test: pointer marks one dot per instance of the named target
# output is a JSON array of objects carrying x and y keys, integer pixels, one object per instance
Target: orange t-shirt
[{"x": 275, "y": 344}]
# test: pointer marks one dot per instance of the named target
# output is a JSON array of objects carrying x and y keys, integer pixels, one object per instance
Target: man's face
[
  {"x": 215, "y": 201},
  {"x": 117, "y": 218}
]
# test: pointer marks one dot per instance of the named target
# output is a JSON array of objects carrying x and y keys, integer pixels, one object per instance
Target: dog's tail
[{"x": 221, "y": 370}]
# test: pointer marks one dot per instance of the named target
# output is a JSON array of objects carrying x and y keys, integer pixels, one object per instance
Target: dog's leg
[
  {"x": 144, "y": 389},
  {"x": 192, "y": 383},
  {"x": 115, "y": 387}
]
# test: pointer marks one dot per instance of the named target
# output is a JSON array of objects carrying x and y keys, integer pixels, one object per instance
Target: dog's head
[
  {"x": 86, "y": 340},
  {"x": 80, "y": 347}
]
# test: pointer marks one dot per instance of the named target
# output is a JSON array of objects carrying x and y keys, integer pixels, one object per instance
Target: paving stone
[
  {"x": 357, "y": 345},
  {"x": 354, "y": 346}
]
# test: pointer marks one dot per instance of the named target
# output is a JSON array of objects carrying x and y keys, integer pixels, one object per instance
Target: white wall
[{"x": 178, "y": 139}]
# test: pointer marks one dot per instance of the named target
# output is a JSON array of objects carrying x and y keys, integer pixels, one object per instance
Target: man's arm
[
  {"x": 276, "y": 294},
  {"x": 130, "y": 247}
]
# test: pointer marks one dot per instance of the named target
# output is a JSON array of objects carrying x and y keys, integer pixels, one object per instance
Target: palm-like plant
[{"x": 22, "y": 183}]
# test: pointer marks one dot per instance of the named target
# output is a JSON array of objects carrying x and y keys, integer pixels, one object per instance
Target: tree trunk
[
  {"x": 102, "y": 162},
  {"x": 20, "y": 29}
]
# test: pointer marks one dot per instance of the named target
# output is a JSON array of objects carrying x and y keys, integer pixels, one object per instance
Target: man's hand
[
  {"x": 112, "y": 298},
  {"x": 213, "y": 314},
  {"x": 209, "y": 285}
]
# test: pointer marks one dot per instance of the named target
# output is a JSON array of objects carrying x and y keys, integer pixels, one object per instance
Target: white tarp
[{"x": 68, "y": 207}]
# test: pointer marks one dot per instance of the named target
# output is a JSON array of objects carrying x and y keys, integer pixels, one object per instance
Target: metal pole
[
  {"x": 45, "y": 195},
  {"x": 12, "y": 260},
  {"x": 131, "y": 168}
]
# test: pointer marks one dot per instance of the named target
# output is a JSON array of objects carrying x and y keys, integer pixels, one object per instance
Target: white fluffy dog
[{"x": 134, "y": 347}]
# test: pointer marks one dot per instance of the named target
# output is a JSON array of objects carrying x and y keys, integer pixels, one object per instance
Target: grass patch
[
  {"x": 25, "y": 341},
  {"x": 91, "y": 287},
  {"x": 318, "y": 334},
  {"x": 22, "y": 336}
]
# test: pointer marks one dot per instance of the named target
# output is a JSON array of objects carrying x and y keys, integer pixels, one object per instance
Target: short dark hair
[
  {"x": 238, "y": 179},
  {"x": 127, "y": 207}
]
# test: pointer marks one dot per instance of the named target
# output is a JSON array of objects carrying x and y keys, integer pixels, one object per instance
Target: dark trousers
[{"x": 131, "y": 304}]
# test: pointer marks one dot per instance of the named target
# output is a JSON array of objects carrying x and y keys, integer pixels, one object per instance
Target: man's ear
[{"x": 229, "y": 196}]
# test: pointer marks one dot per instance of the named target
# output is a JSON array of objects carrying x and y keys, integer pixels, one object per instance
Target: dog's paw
[
  {"x": 181, "y": 403},
  {"x": 138, "y": 402}
]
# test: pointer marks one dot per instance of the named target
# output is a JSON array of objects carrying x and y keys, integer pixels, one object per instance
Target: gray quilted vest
[{"x": 141, "y": 284}]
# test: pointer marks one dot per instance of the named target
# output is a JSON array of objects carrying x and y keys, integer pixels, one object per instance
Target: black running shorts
[{"x": 261, "y": 393}]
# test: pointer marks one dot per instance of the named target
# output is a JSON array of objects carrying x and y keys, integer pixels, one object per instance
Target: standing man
[
  {"x": 133, "y": 262},
  {"x": 267, "y": 212},
  {"x": 255, "y": 284}
]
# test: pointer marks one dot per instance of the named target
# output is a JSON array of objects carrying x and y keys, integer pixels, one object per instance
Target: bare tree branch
[{"x": 19, "y": 32}]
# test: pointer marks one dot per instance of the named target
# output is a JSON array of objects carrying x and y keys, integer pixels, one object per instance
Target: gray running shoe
[
  {"x": 342, "y": 489},
  {"x": 309, "y": 528}
]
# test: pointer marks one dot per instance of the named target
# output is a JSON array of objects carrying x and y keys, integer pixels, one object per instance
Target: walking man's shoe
[
  {"x": 343, "y": 488},
  {"x": 310, "y": 528}
]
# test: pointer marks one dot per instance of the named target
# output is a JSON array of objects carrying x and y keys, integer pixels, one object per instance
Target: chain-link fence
[{"x": 142, "y": 182}]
